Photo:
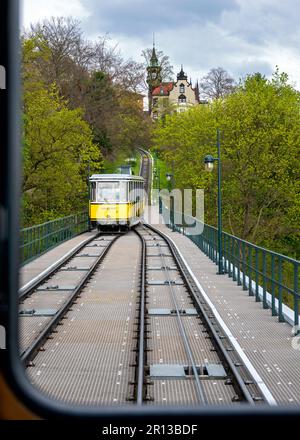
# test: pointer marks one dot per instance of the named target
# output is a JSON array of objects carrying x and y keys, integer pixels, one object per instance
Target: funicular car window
[
  {"x": 123, "y": 191},
  {"x": 93, "y": 191},
  {"x": 108, "y": 191}
]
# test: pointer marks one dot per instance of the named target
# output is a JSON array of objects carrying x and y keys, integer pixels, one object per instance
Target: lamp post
[
  {"x": 158, "y": 187},
  {"x": 209, "y": 166},
  {"x": 170, "y": 179}
]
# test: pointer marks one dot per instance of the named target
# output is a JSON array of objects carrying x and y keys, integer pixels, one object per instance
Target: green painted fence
[
  {"x": 38, "y": 239},
  {"x": 259, "y": 271}
]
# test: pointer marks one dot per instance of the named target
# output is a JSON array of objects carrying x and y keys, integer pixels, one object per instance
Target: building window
[
  {"x": 182, "y": 98},
  {"x": 181, "y": 88}
]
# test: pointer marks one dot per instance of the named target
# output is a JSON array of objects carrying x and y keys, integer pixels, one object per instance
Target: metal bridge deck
[
  {"x": 90, "y": 360},
  {"x": 35, "y": 267},
  {"x": 266, "y": 342}
]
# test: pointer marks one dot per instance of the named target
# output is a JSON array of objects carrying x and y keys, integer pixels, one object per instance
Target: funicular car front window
[{"x": 108, "y": 192}]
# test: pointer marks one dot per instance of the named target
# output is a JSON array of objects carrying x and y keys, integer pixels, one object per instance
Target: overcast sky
[{"x": 242, "y": 36}]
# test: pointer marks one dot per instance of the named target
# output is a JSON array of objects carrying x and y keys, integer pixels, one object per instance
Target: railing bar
[
  {"x": 35, "y": 240},
  {"x": 280, "y": 314},
  {"x": 274, "y": 313}
]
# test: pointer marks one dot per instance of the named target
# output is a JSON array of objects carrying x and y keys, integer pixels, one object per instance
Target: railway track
[
  {"x": 88, "y": 355},
  {"x": 131, "y": 330},
  {"x": 187, "y": 359},
  {"x": 145, "y": 172},
  {"x": 44, "y": 302},
  {"x": 134, "y": 330}
]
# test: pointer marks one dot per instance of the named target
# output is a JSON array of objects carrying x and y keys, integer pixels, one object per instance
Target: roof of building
[
  {"x": 181, "y": 74},
  {"x": 163, "y": 89}
]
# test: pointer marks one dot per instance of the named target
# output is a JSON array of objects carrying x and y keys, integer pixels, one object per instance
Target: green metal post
[
  {"x": 296, "y": 295},
  {"x": 250, "y": 270},
  {"x": 230, "y": 260},
  {"x": 239, "y": 263},
  {"x": 280, "y": 314},
  {"x": 220, "y": 260},
  {"x": 264, "y": 271},
  {"x": 234, "y": 265},
  {"x": 257, "y": 298},
  {"x": 244, "y": 265},
  {"x": 274, "y": 313},
  {"x": 226, "y": 254},
  {"x": 159, "y": 198}
]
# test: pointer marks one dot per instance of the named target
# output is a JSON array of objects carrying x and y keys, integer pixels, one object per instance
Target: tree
[
  {"x": 57, "y": 148},
  {"x": 216, "y": 84},
  {"x": 260, "y": 139},
  {"x": 92, "y": 76}
]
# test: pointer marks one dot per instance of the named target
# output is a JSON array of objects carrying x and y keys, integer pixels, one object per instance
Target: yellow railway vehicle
[{"x": 116, "y": 201}]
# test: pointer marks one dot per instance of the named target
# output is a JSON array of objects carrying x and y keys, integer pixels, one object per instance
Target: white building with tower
[{"x": 172, "y": 96}]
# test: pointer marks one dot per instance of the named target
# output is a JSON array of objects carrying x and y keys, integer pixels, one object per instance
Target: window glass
[
  {"x": 123, "y": 191},
  {"x": 108, "y": 191},
  {"x": 93, "y": 191}
]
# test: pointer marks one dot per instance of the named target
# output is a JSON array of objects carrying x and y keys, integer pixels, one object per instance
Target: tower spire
[
  {"x": 154, "y": 77},
  {"x": 153, "y": 59},
  {"x": 181, "y": 74}
]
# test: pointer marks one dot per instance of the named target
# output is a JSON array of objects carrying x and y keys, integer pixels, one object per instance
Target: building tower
[{"x": 153, "y": 76}]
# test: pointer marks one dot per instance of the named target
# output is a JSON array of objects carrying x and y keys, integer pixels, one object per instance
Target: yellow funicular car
[{"x": 116, "y": 201}]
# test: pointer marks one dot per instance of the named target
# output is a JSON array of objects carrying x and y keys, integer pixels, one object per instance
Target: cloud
[
  {"x": 37, "y": 10},
  {"x": 142, "y": 17},
  {"x": 242, "y": 36}
]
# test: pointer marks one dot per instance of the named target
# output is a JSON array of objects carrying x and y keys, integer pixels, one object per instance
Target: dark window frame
[{"x": 182, "y": 98}]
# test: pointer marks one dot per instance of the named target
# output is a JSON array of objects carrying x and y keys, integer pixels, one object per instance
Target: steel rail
[
  {"x": 30, "y": 287},
  {"x": 32, "y": 350},
  {"x": 238, "y": 381},
  {"x": 200, "y": 392},
  {"x": 140, "y": 395}
]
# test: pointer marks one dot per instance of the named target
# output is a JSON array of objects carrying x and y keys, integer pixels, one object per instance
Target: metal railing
[
  {"x": 269, "y": 277},
  {"x": 38, "y": 239}
]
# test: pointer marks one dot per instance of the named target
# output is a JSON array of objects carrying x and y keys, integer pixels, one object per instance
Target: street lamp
[
  {"x": 209, "y": 166},
  {"x": 209, "y": 162},
  {"x": 169, "y": 176}
]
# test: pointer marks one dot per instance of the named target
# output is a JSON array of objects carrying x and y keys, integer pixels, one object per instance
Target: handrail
[
  {"x": 35, "y": 240},
  {"x": 270, "y": 277}
]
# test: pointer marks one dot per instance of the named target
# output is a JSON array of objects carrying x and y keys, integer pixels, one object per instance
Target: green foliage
[
  {"x": 260, "y": 140},
  {"x": 58, "y": 148},
  {"x": 76, "y": 111}
]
